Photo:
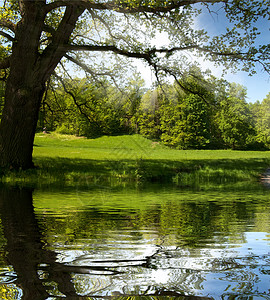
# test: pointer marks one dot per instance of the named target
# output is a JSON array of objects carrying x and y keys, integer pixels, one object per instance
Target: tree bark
[
  {"x": 24, "y": 92},
  {"x": 30, "y": 68},
  {"x": 18, "y": 124}
]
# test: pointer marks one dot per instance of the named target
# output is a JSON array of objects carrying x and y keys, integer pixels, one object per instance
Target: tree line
[{"x": 194, "y": 112}]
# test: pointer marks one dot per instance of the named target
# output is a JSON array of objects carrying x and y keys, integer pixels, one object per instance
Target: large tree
[{"x": 37, "y": 34}]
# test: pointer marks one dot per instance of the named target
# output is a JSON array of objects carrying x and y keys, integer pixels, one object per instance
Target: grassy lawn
[{"x": 69, "y": 160}]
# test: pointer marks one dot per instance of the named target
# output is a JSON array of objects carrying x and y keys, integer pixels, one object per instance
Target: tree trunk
[
  {"x": 30, "y": 68},
  {"x": 18, "y": 124},
  {"x": 24, "y": 91}
]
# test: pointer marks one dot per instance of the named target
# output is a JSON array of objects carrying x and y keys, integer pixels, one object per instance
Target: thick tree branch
[
  {"x": 7, "y": 24},
  {"x": 54, "y": 52},
  {"x": 67, "y": 24},
  {"x": 106, "y": 48},
  {"x": 48, "y": 29},
  {"x": 7, "y": 36},
  {"x": 149, "y": 54},
  {"x": 4, "y": 63},
  {"x": 196, "y": 47}
]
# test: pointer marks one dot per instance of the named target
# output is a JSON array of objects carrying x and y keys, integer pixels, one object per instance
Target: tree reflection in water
[
  {"x": 150, "y": 247},
  {"x": 26, "y": 250},
  {"x": 37, "y": 268}
]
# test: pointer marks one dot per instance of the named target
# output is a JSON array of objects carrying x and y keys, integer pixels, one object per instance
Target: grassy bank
[{"x": 72, "y": 161}]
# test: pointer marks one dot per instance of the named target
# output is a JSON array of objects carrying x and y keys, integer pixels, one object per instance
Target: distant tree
[
  {"x": 146, "y": 120},
  {"x": 262, "y": 116},
  {"x": 132, "y": 94},
  {"x": 235, "y": 122},
  {"x": 237, "y": 90},
  {"x": 255, "y": 108},
  {"x": 187, "y": 124}
]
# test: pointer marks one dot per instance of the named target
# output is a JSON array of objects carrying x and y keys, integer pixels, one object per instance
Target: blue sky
[{"x": 258, "y": 85}]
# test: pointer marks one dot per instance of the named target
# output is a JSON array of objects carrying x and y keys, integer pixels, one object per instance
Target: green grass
[{"x": 72, "y": 161}]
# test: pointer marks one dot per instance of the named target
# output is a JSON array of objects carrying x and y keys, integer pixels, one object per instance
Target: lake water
[{"x": 159, "y": 242}]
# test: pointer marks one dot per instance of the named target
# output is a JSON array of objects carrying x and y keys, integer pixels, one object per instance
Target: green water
[{"x": 155, "y": 242}]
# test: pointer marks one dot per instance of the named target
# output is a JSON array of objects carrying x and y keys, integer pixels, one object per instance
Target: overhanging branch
[
  {"x": 196, "y": 47},
  {"x": 7, "y": 36},
  {"x": 127, "y": 7},
  {"x": 150, "y": 53},
  {"x": 106, "y": 48}
]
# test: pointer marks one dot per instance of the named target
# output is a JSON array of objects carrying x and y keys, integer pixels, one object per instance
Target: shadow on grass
[{"x": 85, "y": 172}]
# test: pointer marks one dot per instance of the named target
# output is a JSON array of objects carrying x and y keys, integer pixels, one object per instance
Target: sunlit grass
[
  {"x": 69, "y": 160},
  {"x": 127, "y": 147}
]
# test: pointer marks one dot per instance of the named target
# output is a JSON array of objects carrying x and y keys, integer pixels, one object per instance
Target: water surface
[{"x": 156, "y": 241}]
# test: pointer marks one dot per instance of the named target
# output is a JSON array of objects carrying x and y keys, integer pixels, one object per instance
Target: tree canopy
[
  {"x": 37, "y": 35},
  {"x": 128, "y": 28}
]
